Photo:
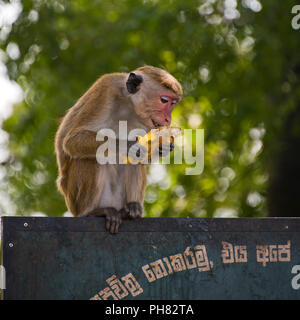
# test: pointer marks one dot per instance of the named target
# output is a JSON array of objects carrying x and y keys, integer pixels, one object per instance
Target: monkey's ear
[{"x": 133, "y": 82}]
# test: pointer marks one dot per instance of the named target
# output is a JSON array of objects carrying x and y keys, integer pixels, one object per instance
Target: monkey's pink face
[{"x": 163, "y": 106}]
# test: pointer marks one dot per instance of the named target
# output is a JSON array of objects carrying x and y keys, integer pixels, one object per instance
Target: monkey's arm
[{"x": 83, "y": 144}]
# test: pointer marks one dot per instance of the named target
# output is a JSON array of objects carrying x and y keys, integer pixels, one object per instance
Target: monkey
[{"x": 145, "y": 99}]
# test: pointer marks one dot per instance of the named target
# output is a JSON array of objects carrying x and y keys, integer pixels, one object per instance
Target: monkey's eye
[{"x": 164, "y": 99}]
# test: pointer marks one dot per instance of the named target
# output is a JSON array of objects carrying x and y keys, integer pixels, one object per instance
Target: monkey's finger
[
  {"x": 112, "y": 227},
  {"x": 164, "y": 151},
  {"x": 136, "y": 212},
  {"x": 117, "y": 225},
  {"x": 168, "y": 147},
  {"x": 143, "y": 152},
  {"x": 107, "y": 223},
  {"x": 135, "y": 148},
  {"x": 112, "y": 223},
  {"x": 138, "y": 151}
]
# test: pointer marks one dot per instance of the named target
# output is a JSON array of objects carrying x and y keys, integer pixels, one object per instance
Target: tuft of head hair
[{"x": 163, "y": 77}]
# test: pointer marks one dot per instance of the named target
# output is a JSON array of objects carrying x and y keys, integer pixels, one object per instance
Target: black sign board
[{"x": 151, "y": 258}]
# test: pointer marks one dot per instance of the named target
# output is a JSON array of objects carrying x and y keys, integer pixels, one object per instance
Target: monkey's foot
[
  {"x": 113, "y": 218},
  {"x": 134, "y": 210}
]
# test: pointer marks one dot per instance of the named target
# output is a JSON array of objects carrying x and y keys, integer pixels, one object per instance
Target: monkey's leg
[{"x": 113, "y": 218}]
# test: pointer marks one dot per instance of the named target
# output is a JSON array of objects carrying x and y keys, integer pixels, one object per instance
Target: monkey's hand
[
  {"x": 137, "y": 153},
  {"x": 113, "y": 218},
  {"x": 134, "y": 210},
  {"x": 164, "y": 150}
]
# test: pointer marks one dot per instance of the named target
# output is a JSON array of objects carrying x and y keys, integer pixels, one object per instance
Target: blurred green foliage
[{"x": 236, "y": 61}]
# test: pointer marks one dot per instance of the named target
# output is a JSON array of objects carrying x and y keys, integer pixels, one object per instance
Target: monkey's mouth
[{"x": 156, "y": 124}]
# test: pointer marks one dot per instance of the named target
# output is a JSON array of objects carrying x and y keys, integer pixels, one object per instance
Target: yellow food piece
[
  {"x": 152, "y": 137},
  {"x": 152, "y": 140}
]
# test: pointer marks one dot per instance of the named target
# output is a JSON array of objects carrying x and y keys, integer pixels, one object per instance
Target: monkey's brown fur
[{"x": 85, "y": 184}]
